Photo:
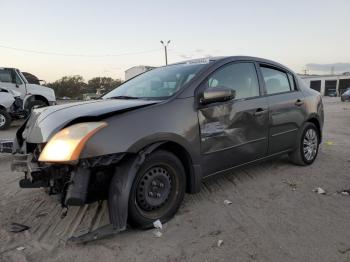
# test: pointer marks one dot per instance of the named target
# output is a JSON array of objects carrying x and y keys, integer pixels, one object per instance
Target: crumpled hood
[{"x": 45, "y": 122}]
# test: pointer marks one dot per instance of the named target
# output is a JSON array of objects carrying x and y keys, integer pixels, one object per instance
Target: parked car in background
[
  {"x": 158, "y": 135},
  {"x": 345, "y": 96},
  {"x": 33, "y": 95},
  {"x": 332, "y": 93}
]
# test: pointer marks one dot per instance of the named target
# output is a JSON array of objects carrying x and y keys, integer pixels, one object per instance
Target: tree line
[{"x": 75, "y": 86}]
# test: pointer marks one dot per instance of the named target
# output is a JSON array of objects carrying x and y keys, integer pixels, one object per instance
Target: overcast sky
[{"x": 103, "y": 38}]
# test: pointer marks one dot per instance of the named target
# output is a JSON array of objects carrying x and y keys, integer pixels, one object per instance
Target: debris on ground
[
  {"x": 20, "y": 248},
  {"x": 344, "y": 248},
  {"x": 157, "y": 224},
  {"x": 157, "y": 233},
  {"x": 215, "y": 233},
  {"x": 64, "y": 212},
  {"x": 345, "y": 192},
  {"x": 227, "y": 202},
  {"x": 17, "y": 228},
  {"x": 43, "y": 214},
  {"x": 329, "y": 143},
  {"x": 220, "y": 242},
  {"x": 319, "y": 190},
  {"x": 292, "y": 185}
]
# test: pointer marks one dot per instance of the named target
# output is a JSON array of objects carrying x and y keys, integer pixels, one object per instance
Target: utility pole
[{"x": 165, "y": 44}]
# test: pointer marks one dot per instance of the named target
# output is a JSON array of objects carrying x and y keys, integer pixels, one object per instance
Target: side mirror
[{"x": 219, "y": 94}]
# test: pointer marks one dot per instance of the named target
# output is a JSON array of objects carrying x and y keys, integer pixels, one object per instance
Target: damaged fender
[
  {"x": 120, "y": 187},
  {"x": 118, "y": 199}
]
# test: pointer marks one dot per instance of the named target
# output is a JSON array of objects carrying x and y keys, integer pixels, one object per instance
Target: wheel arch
[
  {"x": 314, "y": 119},
  {"x": 35, "y": 98}
]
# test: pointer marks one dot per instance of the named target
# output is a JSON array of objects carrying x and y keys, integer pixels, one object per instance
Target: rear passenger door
[{"x": 286, "y": 108}]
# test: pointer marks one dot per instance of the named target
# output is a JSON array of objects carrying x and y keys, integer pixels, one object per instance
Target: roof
[{"x": 219, "y": 58}]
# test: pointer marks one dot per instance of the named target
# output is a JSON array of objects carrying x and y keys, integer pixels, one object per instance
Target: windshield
[{"x": 159, "y": 83}]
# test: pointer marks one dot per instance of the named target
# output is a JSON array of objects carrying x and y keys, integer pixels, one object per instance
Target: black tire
[
  {"x": 5, "y": 120},
  {"x": 34, "y": 104},
  {"x": 298, "y": 156},
  {"x": 160, "y": 166}
]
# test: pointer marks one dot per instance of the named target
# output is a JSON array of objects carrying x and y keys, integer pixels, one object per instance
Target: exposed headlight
[{"x": 68, "y": 143}]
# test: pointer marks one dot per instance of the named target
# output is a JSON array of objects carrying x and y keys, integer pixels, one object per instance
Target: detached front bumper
[{"x": 6, "y": 146}]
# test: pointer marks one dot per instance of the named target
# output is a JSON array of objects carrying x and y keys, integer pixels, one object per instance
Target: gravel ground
[{"x": 274, "y": 215}]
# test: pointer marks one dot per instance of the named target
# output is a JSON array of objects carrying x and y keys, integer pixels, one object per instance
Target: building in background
[
  {"x": 136, "y": 70},
  {"x": 328, "y": 85}
]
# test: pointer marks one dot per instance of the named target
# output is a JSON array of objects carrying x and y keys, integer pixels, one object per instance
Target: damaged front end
[
  {"x": 82, "y": 183},
  {"x": 48, "y": 150},
  {"x": 88, "y": 180},
  {"x": 78, "y": 181}
]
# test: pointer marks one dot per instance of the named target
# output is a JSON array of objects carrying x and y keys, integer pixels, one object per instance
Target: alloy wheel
[{"x": 310, "y": 144}]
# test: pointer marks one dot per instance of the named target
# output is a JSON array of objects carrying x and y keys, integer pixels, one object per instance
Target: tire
[
  {"x": 5, "y": 120},
  {"x": 161, "y": 173},
  {"x": 35, "y": 103},
  {"x": 309, "y": 134}
]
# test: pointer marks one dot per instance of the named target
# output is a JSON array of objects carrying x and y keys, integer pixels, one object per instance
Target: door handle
[
  {"x": 260, "y": 111},
  {"x": 299, "y": 102}
]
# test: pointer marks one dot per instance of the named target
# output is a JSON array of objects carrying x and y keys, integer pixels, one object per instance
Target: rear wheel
[
  {"x": 5, "y": 120},
  {"x": 158, "y": 190},
  {"x": 307, "y": 148}
]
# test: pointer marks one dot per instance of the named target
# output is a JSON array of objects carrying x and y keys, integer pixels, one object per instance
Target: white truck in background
[
  {"x": 33, "y": 95},
  {"x": 18, "y": 97}
]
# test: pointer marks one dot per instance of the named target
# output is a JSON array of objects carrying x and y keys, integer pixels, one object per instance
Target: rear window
[
  {"x": 276, "y": 81},
  {"x": 5, "y": 76}
]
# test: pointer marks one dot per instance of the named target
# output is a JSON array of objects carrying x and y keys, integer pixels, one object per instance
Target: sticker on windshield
[{"x": 198, "y": 61}]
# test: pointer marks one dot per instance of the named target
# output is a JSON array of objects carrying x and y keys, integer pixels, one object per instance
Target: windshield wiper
[{"x": 124, "y": 97}]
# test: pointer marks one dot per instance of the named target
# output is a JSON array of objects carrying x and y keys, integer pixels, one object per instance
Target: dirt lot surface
[{"x": 274, "y": 215}]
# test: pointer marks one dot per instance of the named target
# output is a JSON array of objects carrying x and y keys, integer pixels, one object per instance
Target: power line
[{"x": 76, "y": 55}]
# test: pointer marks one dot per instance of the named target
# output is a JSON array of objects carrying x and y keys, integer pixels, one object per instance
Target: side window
[
  {"x": 18, "y": 80},
  {"x": 240, "y": 77},
  {"x": 276, "y": 81},
  {"x": 291, "y": 81},
  {"x": 5, "y": 76}
]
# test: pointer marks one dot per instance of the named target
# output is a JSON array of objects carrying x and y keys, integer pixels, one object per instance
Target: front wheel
[
  {"x": 158, "y": 190},
  {"x": 5, "y": 120},
  {"x": 308, "y": 144}
]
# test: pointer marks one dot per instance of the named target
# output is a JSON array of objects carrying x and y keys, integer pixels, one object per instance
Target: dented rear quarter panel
[{"x": 313, "y": 103}]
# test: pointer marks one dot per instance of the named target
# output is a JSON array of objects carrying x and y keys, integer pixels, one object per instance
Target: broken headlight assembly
[{"x": 67, "y": 144}]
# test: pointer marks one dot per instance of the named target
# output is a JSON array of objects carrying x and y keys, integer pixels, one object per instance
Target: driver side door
[{"x": 235, "y": 131}]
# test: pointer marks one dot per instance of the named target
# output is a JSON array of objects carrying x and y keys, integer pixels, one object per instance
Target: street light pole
[{"x": 165, "y": 44}]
